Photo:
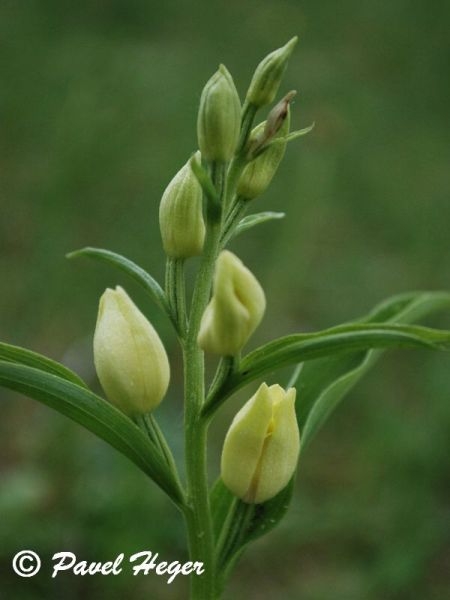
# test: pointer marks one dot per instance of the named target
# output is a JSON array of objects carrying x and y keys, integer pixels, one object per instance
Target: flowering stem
[{"x": 198, "y": 514}]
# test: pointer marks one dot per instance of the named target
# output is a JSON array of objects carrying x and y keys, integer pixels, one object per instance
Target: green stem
[
  {"x": 235, "y": 213},
  {"x": 198, "y": 515},
  {"x": 239, "y": 161},
  {"x": 198, "y": 512},
  {"x": 175, "y": 291},
  {"x": 149, "y": 425},
  {"x": 248, "y": 116},
  {"x": 227, "y": 365},
  {"x": 160, "y": 441},
  {"x": 238, "y": 521},
  {"x": 230, "y": 543}
]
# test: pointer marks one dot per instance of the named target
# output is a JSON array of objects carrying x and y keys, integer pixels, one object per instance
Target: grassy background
[{"x": 98, "y": 103}]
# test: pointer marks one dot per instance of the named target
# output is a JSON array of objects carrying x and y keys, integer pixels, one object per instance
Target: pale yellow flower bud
[
  {"x": 258, "y": 174},
  {"x": 261, "y": 448},
  {"x": 235, "y": 310},
  {"x": 267, "y": 78},
  {"x": 219, "y": 117},
  {"x": 129, "y": 357},
  {"x": 181, "y": 215}
]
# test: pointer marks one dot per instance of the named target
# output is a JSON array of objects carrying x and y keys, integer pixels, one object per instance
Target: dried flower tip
[
  {"x": 274, "y": 123},
  {"x": 258, "y": 174}
]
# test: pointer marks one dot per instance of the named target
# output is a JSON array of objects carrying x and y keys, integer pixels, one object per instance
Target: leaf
[
  {"x": 297, "y": 348},
  {"x": 294, "y": 135},
  {"x": 323, "y": 383},
  {"x": 22, "y": 356},
  {"x": 299, "y": 133},
  {"x": 237, "y": 523},
  {"x": 256, "y": 219},
  {"x": 96, "y": 415},
  {"x": 145, "y": 280}
]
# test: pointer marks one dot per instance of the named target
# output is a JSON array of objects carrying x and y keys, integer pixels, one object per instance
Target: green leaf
[
  {"x": 22, "y": 356},
  {"x": 96, "y": 415},
  {"x": 256, "y": 219},
  {"x": 294, "y": 135},
  {"x": 237, "y": 523},
  {"x": 144, "y": 279},
  {"x": 297, "y": 348},
  {"x": 322, "y": 383}
]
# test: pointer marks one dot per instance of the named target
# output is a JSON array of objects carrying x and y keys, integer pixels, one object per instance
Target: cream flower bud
[
  {"x": 235, "y": 310},
  {"x": 261, "y": 448},
  {"x": 267, "y": 78},
  {"x": 219, "y": 117},
  {"x": 129, "y": 357},
  {"x": 258, "y": 174},
  {"x": 181, "y": 215}
]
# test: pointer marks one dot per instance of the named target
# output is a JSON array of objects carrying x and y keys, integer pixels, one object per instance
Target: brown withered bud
[{"x": 274, "y": 122}]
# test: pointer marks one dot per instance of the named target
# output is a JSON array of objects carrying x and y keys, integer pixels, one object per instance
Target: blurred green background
[{"x": 98, "y": 103}]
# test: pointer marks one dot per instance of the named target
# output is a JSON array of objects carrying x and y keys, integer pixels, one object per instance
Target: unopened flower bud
[
  {"x": 258, "y": 174},
  {"x": 235, "y": 310},
  {"x": 129, "y": 357},
  {"x": 261, "y": 447},
  {"x": 278, "y": 115},
  {"x": 181, "y": 215},
  {"x": 219, "y": 117},
  {"x": 267, "y": 78}
]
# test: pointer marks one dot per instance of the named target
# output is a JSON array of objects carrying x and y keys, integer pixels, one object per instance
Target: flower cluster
[{"x": 261, "y": 448}]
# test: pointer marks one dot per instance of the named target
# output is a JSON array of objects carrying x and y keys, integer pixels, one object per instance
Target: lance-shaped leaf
[
  {"x": 323, "y": 383},
  {"x": 144, "y": 279},
  {"x": 96, "y": 415},
  {"x": 22, "y": 356},
  {"x": 297, "y": 348},
  {"x": 256, "y": 219}
]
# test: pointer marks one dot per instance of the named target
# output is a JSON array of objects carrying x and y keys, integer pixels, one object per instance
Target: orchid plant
[{"x": 202, "y": 210}]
